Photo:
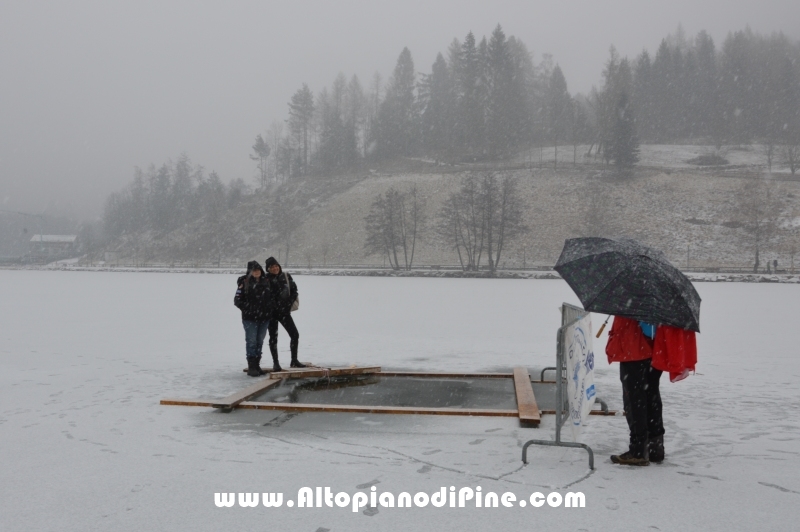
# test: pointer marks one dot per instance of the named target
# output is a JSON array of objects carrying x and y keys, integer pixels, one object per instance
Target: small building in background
[{"x": 53, "y": 247}]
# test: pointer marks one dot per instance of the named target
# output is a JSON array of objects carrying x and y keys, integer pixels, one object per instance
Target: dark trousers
[
  {"x": 642, "y": 402},
  {"x": 288, "y": 324}
]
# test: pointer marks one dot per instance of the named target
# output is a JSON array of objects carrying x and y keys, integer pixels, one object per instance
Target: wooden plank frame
[
  {"x": 233, "y": 400},
  {"x": 315, "y": 372},
  {"x": 187, "y": 402},
  {"x": 527, "y": 409},
  {"x": 526, "y": 400},
  {"x": 309, "y": 407}
]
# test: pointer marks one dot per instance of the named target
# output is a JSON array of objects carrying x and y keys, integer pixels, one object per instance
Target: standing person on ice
[
  {"x": 630, "y": 343},
  {"x": 283, "y": 292},
  {"x": 253, "y": 298}
]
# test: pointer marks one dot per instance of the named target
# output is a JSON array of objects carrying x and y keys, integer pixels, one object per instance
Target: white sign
[{"x": 580, "y": 372}]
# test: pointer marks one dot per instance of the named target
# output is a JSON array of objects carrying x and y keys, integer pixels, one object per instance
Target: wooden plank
[
  {"x": 307, "y": 407},
  {"x": 425, "y": 374},
  {"x": 446, "y": 375},
  {"x": 366, "y": 409},
  {"x": 243, "y": 395},
  {"x": 187, "y": 402},
  {"x": 592, "y": 413},
  {"x": 306, "y": 373},
  {"x": 526, "y": 401}
]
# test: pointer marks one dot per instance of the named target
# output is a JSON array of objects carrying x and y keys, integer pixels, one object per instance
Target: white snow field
[{"x": 86, "y": 356}]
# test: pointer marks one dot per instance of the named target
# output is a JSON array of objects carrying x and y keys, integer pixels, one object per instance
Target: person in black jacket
[
  {"x": 253, "y": 298},
  {"x": 284, "y": 293}
]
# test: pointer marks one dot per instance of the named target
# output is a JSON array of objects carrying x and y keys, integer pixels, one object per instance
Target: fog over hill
[{"x": 91, "y": 90}]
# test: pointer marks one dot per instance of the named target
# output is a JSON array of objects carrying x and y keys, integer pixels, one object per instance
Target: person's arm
[
  {"x": 285, "y": 287},
  {"x": 237, "y": 299},
  {"x": 242, "y": 294}
]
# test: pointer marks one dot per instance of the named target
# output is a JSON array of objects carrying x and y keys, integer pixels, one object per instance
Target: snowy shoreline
[{"x": 433, "y": 273}]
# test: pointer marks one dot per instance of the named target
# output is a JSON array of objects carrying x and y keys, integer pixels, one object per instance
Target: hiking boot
[
  {"x": 655, "y": 449},
  {"x": 628, "y": 458},
  {"x": 252, "y": 368}
]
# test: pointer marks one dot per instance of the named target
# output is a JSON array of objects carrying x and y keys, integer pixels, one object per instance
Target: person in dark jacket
[
  {"x": 253, "y": 298},
  {"x": 283, "y": 291}
]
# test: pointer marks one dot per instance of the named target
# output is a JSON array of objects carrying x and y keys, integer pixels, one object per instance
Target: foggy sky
[{"x": 89, "y": 90}]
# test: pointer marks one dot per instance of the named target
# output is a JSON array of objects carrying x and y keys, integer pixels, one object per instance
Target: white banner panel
[{"x": 580, "y": 372}]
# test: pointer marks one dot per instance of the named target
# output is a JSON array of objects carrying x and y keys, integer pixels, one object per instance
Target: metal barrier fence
[{"x": 569, "y": 315}]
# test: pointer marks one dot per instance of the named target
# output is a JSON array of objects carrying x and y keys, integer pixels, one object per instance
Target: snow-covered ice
[{"x": 86, "y": 356}]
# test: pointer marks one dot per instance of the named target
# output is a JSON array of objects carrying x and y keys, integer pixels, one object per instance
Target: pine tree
[
  {"x": 558, "y": 107},
  {"x": 437, "y": 97},
  {"x": 355, "y": 112},
  {"x": 397, "y": 119},
  {"x": 499, "y": 110},
  {"x": 301, "y": 112},
  {"x": 160, "y": 207},
  {"x": 261, "y": 151},
  {"x": 708, "y": 97},
  {"x": 624, "y": 148},
  {"x": 642, "y": 96},
  {"x": 338, "y": 110},
  {"x": 470, "y": 110}
]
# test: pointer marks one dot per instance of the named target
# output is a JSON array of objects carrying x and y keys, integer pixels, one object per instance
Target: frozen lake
[{"x": 86, "y": 356}]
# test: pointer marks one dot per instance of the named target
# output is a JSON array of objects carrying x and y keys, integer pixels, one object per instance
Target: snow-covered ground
[
  {"x": 86, "y": 356},
  {"x": 667, "y": 156}
]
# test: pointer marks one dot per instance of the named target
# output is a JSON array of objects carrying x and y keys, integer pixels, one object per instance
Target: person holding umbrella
[
  {"x": 656, "y": 314},
  {"x": 630, "y": 343}
]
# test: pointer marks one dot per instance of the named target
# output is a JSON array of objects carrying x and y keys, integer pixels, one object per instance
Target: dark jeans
[
  {"x": 288, "y": 324},
  {"x": 254, "y": 333},
  {"x": 642, "y": 402}
]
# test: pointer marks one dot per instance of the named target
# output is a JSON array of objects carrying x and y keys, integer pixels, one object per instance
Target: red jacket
[
  {"x": 674, "y": 351},
  {"x": 627, "y": 342}
]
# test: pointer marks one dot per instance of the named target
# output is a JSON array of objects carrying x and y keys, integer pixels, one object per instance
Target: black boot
[
  {"x": 258, "y": 365},
  {"x": 655, "y": 449},
  {"x": 252, "y": 368},
  {"x": 276, "y": 366},
  {"x": 295, "y": 363}
]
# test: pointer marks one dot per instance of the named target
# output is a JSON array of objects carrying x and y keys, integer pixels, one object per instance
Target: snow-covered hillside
[{"x": 692, "y": 213}]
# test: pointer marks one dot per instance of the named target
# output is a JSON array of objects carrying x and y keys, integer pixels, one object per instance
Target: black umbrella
[{"x": 626, "y": 278}]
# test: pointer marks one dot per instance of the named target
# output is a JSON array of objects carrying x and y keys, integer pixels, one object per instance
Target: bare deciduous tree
[
  {"x": 284, "y": 221},
  {"x": 768, "y": 149},
  {"x": 485, "y": 215},
  {"x": 461, "y": 222},
  {"x": 790, "y": 156},
  {"x": 509, "y": 221},
  {"x": 758, "y": 209},
  {"x": 395, "y": 221}
]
